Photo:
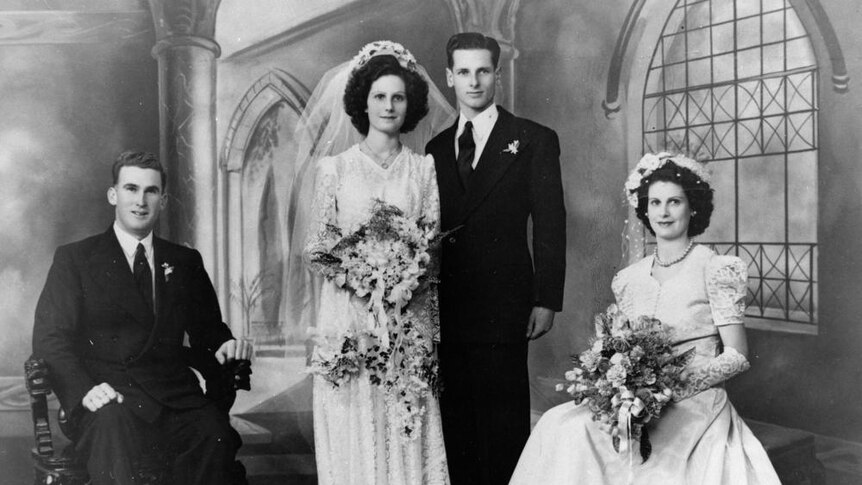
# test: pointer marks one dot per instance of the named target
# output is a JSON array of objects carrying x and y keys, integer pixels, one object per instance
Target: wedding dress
[
  {"x": 358, "y": 434},
  {"x": 700, "y": 440}
]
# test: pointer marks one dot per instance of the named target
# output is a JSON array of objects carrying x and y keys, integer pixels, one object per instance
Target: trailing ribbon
[{"x": 630, "y": 406}]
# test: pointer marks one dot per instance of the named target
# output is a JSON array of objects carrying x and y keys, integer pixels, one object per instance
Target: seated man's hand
[
  {"x": 234, "y": 350},
  {"x": 99, "y": 396}
]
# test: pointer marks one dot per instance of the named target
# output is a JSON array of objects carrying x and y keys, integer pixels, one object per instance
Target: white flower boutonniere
[
  {"x": 513, "y": 147},
  {"x": 168, "y": 270}
]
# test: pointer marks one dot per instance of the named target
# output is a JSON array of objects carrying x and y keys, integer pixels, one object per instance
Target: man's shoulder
[
  {"x": 439, "y": 139},
  {"x": 177, "y": 251},
  {"x": 82, "y": 246},
  {"x": 531, "y": 127}
]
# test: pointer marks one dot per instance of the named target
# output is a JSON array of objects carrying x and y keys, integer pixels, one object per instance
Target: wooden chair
[{"x": 63, "y": 467}]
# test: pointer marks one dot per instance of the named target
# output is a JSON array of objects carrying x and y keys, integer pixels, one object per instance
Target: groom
[
  {"x": 110, "y": 325},
  {"x": 495, "y": 172}
]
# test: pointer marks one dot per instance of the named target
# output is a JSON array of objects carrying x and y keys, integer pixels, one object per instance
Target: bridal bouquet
[
  {"x": 627, "y": 376},
  {"x": 407, "y": 369},
  {"x": 384, "y": 260}
]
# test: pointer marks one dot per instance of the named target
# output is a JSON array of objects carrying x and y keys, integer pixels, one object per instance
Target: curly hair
[
  {"x": 359, "y": 85},
  {"x": 697, "y": 191}
]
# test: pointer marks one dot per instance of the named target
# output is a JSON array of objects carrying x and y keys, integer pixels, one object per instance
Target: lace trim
[
  {"x": 717, "y": 370},
  {"x": 726, "y": 287}
]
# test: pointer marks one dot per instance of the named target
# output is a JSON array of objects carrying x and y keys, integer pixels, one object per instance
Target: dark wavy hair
[
  {"x": 472, "y": 41},
  {"x": 140, "y": 160},
  {"x": 697, "y": 191},
  {"x": 359, "y": 85}
]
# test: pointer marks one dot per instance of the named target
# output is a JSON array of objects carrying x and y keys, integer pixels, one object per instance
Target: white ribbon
[{"x": 630, "y": 406}]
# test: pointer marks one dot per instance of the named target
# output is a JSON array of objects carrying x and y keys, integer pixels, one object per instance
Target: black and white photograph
[{"x": 430, "y": 242}]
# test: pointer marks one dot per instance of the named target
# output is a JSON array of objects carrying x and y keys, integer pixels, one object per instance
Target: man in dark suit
[
  {"x": 495, "y": 172},
  {"x": 110, "y": 325}
]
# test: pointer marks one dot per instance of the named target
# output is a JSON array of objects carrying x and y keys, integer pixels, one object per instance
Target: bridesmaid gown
[{"x": 700, "y": 440}]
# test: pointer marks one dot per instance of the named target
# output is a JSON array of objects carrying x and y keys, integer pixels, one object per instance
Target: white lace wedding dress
[{"x": 357, "y": 435}]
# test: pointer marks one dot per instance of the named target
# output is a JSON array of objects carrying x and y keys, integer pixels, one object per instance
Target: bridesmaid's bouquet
[
  {"x": 627, "y": 376},
  {"x": 384, "y": 260}
]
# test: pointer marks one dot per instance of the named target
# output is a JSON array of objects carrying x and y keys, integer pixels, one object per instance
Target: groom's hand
[{"x": 541, "y": 321}]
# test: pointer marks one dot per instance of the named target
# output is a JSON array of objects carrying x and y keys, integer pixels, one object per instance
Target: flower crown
[
  {"x": 382, "y": 48},
  {"x": 652, "y": 162}
]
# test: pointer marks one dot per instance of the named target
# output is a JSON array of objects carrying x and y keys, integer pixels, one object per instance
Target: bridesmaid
[{"x": 700, "y": 438}]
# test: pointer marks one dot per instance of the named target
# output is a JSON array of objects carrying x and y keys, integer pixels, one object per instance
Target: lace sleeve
[
  {"x": 726, "y": 283},
  {"x": 324, "y": 208},
  {"x": 431, "y": 207}
]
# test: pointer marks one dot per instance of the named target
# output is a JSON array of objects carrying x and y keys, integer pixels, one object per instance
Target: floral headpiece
[
  {"x": 652, "y": 162},
  {"x": 382, "y": 48}
]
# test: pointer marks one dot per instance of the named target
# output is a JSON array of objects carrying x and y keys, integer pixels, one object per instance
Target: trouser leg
[
  {"x": 110, "y": 443},
  {"x": 205, "y": 446}
]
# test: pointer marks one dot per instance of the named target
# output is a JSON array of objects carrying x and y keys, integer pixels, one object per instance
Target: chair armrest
[
  {"x": 222, "y": 381},
  {"x": 38, "y": 386}
]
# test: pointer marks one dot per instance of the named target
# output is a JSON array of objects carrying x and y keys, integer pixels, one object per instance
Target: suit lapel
[
  {"x": 108, "y": 265},
  {"x": 451, "y": 193},
  {"x": 493, "y": 163},
  {"x": 163, "y": 281}
]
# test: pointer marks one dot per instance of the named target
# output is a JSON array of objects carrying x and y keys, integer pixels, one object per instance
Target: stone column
[
  {"x": 186, "y": 52},
  {"x": 495, "y": 18}
]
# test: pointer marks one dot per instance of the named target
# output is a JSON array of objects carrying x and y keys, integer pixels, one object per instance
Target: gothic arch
[{"x": 251, "y": 231}]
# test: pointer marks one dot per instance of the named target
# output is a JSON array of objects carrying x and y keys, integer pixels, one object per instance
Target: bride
[
  {"x": 366, "y": 432},
  {"x": 699, "y": 438}
]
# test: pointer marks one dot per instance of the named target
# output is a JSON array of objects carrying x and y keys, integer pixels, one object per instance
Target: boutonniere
[
  {"x": 168, "y": 270},
  {"x": 513, "y": 147}
]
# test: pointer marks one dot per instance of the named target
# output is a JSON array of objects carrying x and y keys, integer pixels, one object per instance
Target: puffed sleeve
[
  {"x": 726, "y": 284},
  {"x": 324, "y": 209}
]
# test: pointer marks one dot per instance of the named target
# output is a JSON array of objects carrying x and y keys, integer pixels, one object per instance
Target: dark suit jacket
[
  {"x": 489, "y": 282},
  {"x": 92, "y": 325}
]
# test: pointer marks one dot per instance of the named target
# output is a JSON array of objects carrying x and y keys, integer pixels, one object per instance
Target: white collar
[
  {"x": 129, "y": 243},
  {"x": 483, "y": 122}
]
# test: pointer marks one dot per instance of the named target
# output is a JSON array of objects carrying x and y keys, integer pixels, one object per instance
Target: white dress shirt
[
  {"x": 483, "y": 123},
  {"x": 129, "y": 244}
]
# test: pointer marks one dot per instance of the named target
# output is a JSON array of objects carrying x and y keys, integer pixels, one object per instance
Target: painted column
[
  {"x": 186, "y": 52},
  {"x": 495, "y": 18}
]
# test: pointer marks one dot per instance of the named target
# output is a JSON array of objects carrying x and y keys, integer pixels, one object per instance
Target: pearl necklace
[
  {"x": 382, "y": 161},
  {"x": 661, "y": 263}
]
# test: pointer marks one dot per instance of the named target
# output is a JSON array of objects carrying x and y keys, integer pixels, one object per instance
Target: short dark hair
[
  {"x": 472, "y": 41},
  {"x": 697, "y": 191},
  {"x": 141, "y": 160},
  {"x": 359, "y": 85}
]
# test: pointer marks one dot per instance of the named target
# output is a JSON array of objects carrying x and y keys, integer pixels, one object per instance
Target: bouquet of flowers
[
  {"x": 384, "y": 260},
  {"x": 407, "y": 369},
  {"x": 627, "y": 376}
]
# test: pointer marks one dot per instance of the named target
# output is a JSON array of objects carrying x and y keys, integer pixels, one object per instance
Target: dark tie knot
[{"x": 140, "y": 255}]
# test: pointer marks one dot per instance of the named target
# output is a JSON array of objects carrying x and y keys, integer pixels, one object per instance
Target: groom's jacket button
[{"x": 452, "y": 239}]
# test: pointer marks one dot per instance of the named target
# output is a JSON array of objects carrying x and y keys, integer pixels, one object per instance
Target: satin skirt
[{"x": 701, "y": 440}]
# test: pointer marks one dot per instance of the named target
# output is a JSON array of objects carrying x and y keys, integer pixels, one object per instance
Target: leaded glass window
[{"x": 734, "y": 82}]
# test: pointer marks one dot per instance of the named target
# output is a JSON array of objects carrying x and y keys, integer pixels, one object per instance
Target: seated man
[{"x": 110, "y": 325}]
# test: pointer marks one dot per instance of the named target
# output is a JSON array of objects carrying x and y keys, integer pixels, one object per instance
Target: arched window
[
  {"x": 734, "y": 82},
  {"x": 258, "y": 160}
]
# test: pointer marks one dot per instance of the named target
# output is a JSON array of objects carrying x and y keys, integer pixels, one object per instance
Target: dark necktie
[
  {"x": 466, "y": 151},
  {"x": 143, "y": 275}
]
